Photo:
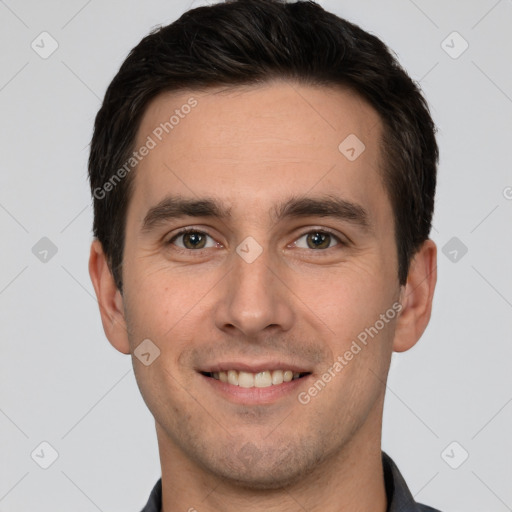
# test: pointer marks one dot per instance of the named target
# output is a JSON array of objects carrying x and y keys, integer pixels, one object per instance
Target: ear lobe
[
  {"x": 416, "y": 297},
  {"x": 109, "y": 298}
]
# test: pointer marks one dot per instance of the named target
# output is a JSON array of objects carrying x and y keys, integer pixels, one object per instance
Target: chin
[
  {"x": 261, "y": 479},
  {"x": 264, "y": 470}
]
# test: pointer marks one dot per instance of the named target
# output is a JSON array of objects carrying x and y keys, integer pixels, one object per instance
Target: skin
[{"x": 252, "y": 148}]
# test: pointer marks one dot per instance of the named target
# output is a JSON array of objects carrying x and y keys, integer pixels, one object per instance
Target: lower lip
[{"x": 256, "y": 396}]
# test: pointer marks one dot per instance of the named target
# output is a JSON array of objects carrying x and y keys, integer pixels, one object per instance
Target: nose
[{"x": 255, "y": 298}]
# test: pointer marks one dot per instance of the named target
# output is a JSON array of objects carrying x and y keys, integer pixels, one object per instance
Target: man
[{"x": 263, "y": 177}]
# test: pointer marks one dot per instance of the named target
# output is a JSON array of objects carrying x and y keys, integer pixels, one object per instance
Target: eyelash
[{"x": 193, "y": 230}]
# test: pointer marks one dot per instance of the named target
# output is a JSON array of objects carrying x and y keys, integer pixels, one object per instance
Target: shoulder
[
  {"x": 399, "y": 496},
  {"x": 154, "y": 503}
]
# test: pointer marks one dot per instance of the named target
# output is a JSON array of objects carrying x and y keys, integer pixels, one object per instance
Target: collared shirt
[{"x": 399, "y": 497}]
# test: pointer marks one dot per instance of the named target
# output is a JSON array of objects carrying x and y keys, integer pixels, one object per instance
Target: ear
[
  {"x": 109, "y": 298},
  {"x": 416, "y": 297}
]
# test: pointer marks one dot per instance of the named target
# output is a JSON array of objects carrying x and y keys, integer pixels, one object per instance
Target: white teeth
[
  {"x": 246, "y": 380},
  {"x": 232, "y": 377},
  {"x": 259, "y": 380},
  {"x": 263, "y": 380},
  {"x": 277, "y": 377}
]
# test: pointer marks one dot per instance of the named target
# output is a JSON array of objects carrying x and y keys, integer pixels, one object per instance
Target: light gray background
[{"x": 63, "y": 383}]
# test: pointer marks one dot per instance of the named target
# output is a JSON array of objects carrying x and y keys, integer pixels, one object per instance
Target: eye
[
  {"x": 317, "y": 239},
  {"x": 192, "y": 239}
]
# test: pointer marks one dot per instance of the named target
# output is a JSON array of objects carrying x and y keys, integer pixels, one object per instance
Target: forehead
[{"x": 259, "y": 142}]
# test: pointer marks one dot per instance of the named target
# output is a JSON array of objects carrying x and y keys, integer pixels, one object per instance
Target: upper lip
[{"x": 254, "y": 366}]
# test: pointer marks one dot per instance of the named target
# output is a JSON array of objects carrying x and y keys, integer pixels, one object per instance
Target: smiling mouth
[{"x": 263, "y": 379}]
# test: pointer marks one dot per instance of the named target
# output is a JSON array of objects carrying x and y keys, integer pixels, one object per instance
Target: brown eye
[
  {"x": 318, "y": 240},
  {"x": 191, "y": 240}
]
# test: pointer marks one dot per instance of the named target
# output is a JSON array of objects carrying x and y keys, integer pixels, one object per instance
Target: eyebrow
[{"x": 175, "y": 207}]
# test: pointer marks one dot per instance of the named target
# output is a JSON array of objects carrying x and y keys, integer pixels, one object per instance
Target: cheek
[
  {"x": 349, "y": 298},
  {"x": 160, "y": 298},
  {"x": 165, "y": 393},
  {"x": 171, "y": 308},
  {"x": 164, "y": 314},
  {"x": 351, "y": 305}
]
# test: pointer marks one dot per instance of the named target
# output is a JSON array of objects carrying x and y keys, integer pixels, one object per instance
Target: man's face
[{"x": 264, "y": 290}]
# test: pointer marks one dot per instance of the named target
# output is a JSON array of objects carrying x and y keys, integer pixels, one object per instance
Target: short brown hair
[{"x": 242, "y": 42}]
